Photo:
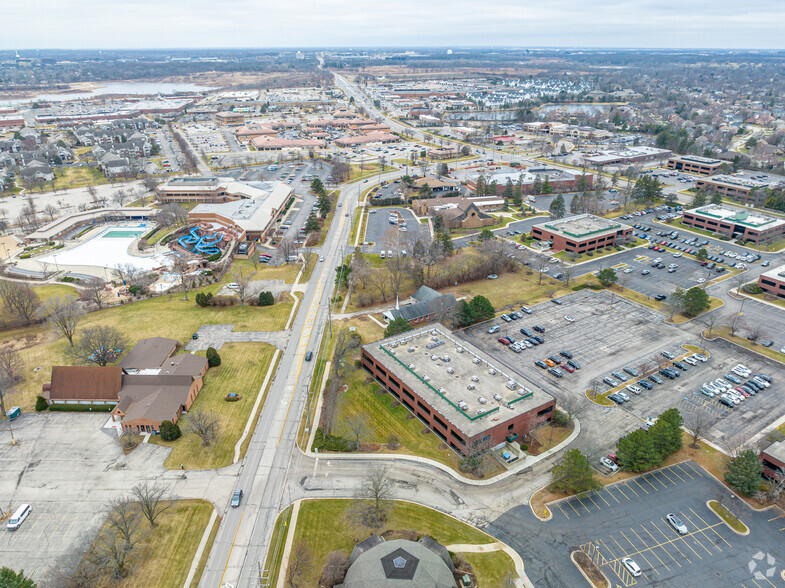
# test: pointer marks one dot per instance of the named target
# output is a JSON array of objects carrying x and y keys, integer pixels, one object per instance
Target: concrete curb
[
  {"x": 526, "y": 463},
  {"x": 743, "y": 534},
  {"x": 200, "y": 549},
  {"x": 522, "y": 580},
  {"x": 256, "y": 405},
  {"x": 580, "y": 569},
  {"x": 294, "y": 311},
  {"x": 287, "y": 548}
]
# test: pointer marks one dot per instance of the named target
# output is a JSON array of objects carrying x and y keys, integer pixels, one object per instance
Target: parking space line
[
  {"x": 673, "y": 542},
  {"x": 684, "y": 472},
  {"x": 583, "y": 505},
  {"x": 775, "y": 518},
  {"x": 694, "y": 471},
  {"x": 654, "y": 475},
  {"x": 667, "y": 476},
  {"x": 613, "y": 555},
  {"x": 573, "y": 508},
  {"x": 599, "y": 494},
  {"x": 754, "y": 582},
  {"x": 640, "y": 552},
  {"x": 639, "y": 486},
  {"x": 645, "y": 479},
  {"x": 624, "y": 551},
  {"x": 595, "y": 504},
  {"x": 770, "y": 582},
  {"x": 653, "y": 552},
  {"x": 677, "y": 475},
  {"x": 562, "y": 511},
  {"x": 630, "y": 488},
  {"x": 661, "y": 544},
  {"x": 608, "y": 490},
  {"x": 708, "y": 526},
  {"x": 703, "y": 532}
]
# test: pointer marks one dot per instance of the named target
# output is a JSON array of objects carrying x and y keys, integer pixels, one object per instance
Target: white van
[
  {"x": 382, "y": 254},
  {"x": 19, "y": 517}
]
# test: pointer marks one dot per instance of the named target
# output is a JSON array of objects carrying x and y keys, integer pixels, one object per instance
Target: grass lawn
[
  {"x": 323, "y": 525},
  {"x": 275, "y": 552},
  {"x": 161, "y": 233},
  {"x": 162, "y": 559},
  {"x": 370, "y": 170},
  {"x": 724, "y": 332},
  {"x": 726, "y": 516},
  {"x": 568, "y": 256},
  {"x": 163, "y": 316},
  {"x": 77, "y": 177},
  {"x": 681, "y": 318},
  {"x": 286, "y": 272},
  {"x": 242, "y": 370}
]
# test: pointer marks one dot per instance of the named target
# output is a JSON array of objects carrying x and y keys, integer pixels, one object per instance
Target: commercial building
[
  {"x": 251, "y": 218},
  {"x": 581, "y": 233},
  {"x": 230, "y": 119},
  {"x": 150, "y": 385},
  {"x": 560, "y": 180},
  {"x": 65, "y": 226},
  {"x": 271, "y": 143},
  {"x": 423, "y": 206},
  {"x": 628, "y": 156},
  {"x": 773, "y": 281},
  {"x": 12, "y": 120},
  {"x": 212, "y": 189},
  {"x": 444, "y": 153},
  {"x": 428, "y": 305},
  {"x": 735, "y": 223},
  {"x": 371, "y": 137},
  {"x": 465, "y": 397},
  {"x": 773, "y": 459},
  {"x": 694, "y": 164},
  {"x": 738, "y": 187},
  {"x": 399, "y": 563}
]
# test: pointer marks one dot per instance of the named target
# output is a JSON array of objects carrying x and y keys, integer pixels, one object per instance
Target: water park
[{"x": 205, "y": 244}]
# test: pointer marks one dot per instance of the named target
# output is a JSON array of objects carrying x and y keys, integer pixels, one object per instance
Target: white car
[
  {"x": 701, "y": 280},
  {"x": 631, "y": 566},
  {"x": 634, "y": 389},
  {"x": 569, "y": 319},
  {"x": 321, "y": 258},
  {"x": 545, "y": 270},
  {"x": 676, "y": 523},
  {"x": 609, "y": 464},
  {"x": 629, "y": 270},
  {"x": 554, "y": 260},
  {"x": 700, "y": 357},
  {"x": 233, "y": 286},
  {"x": 677, "y": 254},
  {"x": 691, "y": 360}
]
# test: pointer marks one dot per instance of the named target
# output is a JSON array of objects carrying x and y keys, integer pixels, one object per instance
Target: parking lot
[
  {"x": 627, "y": 519},
  {"x": 378, "y": 224}
]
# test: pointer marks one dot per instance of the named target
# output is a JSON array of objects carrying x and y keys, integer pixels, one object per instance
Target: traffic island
[
  {"x": 589, "y": 570},
  {"x": 729, "y": 519}
]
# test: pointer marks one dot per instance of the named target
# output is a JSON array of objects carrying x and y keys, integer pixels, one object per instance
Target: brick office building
[
  {"x": 735, "y": 223},
  {"x": 773, "y": 281},
  {"x": 694, "y": 164},
  {"x": 466, "y": 398},
  {"x": 743, "y": 189},
  {"x": 773, "y": 459},
  {"x": 581, "y": 233}
]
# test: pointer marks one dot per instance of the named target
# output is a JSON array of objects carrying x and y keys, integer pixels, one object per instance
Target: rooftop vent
[
  {"x": 459, "y": 350},
  {"x": 481, "y": 411},
  {"x": 470, "y": 387},
  {"x": 450, "y": 371},
  {"x": 481, "y": 400},
  {"x": 497, "y": 397},
  {"x": 476, "y": 360},
  {"x": 475, "y": 379},
  {"x": 426, "y": 378},
  {"x": 411, "y": 366},
  {"x": 492, "y": 371},
  {"x": 511, "y": 385},
  {"x": 410, "y": 350}
]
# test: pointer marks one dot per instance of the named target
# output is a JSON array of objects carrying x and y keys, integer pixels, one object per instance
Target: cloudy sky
[{"x": 78, "y": 24}]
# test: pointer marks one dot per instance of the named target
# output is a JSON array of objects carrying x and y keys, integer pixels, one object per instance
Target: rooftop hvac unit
[
  {"x": 392, "y": 352},
  {"x": 497, "y": 397},
  {"x": 394, "y": 344},
  {"x": 511, "y": 385},
  {"x": 434, "y": 338},
  {"x": 426, "y": 378},
  {"x": 411, "y": 366},
  {"x": 445, "y": 358},
  {"x": 476, "y": 360},
  {"x": 459, "y": 350},
  {"x": 433, "y": 332},
  {"x": 492, "y": 371},
  {"x": 470, "y": 387},
  {"x": 450, "y": 371},
  {"x": 480, "y": 411},
  {"x": 410, "y": 350},
  {"x": 475, "y": 379},
  {"x": 442, "y": 390},
  {"x": 434, "y": 358},
  {"x": 522, "y": 391},
  {"x": 481, "y": 400},
  {"x": 462, "y": 405}
]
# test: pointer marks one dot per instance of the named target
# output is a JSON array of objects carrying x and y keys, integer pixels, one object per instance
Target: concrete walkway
[
  {"x": 287, "y": 548},
  {"x": 200, "y": 549},
  {"x": 216, "y": 335}
]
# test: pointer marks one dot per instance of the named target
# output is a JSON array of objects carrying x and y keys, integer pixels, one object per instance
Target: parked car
[
  {"x": 494, "y": 329},
  {"x": 539, "y": 329},
  {"x": 566, "y": 354},
  {"x": 609, "y": 464},
  {"x": 574, "y": 364},
  {"x": 555, "y": 371},
  {"x": 631, "y": 566},
  {"x": 540, "y": 363},
  {"x": 526, "y": 309}
]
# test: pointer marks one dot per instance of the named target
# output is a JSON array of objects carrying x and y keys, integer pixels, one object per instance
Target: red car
[
  {"x": 568, "y": 367},
  {"x": 504, "y": 340}
]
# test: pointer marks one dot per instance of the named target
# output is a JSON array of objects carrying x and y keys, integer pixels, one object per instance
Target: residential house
[{"x": 428, "y": 305}]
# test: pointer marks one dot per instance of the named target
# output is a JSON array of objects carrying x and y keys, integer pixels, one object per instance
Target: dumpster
[{"x": 14, "y": 412}]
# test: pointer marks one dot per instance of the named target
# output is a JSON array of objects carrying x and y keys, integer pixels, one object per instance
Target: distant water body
[
  {"x": 587, "y": 108},
  {"x": 125, "y": 88}
]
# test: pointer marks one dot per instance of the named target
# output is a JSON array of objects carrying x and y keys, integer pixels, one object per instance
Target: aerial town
[{"x": 392, "y": 317}]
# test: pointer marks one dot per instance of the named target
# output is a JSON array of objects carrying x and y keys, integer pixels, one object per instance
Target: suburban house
[
  {"x": 462, "y": 214},
  {"x": 150, "y": 385},
  {"x": 428, "y": 305}
]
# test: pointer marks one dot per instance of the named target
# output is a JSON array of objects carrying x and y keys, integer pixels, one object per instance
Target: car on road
[
  {"x": 308, "y": 355},
  {"x": 321, "y": 258},
  {"x": 631, "y": 566},
  {"x": 236, "y": 498},
  {"x": 233, "y": 285},
  {"x": 557, "y": 301},
  {"x": 676, "y": 523}
]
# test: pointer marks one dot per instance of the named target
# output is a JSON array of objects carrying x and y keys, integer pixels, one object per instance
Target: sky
[{"x": 140, "y": 24}]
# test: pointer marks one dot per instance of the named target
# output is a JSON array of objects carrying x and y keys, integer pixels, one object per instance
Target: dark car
[
  {"x": 660, "y": 297},
  {"x": 525, "y": 331},
  {"x": 680, "y": 365},
  {"x": 616, "y": 398},
  {"x": 556, "y": 301},
  {"x": 554, "y": 359},
  {"x": 539, "y": 329},
  {"x": 646, "y": 384},
  {"x": 732, "y": 378},
  {"x": 308, "y": 355},
  {"x": 556, "y": 372},
  {"x": 727, "y": 401},
  {"x": 533, "y": 341},
  {"x": 667, "y": 374},
  {"x": 656, "y": 379},
  {"x": 541, "y": 363},
  {"x": 236, "y": 498},
  {"x": 632, "y": 371},
  {"x": 619, "y": 376},
  {"x": 574, "y": 364},
  {"x": 566, "y": 354},
  {"x": 539, "y": 339}
]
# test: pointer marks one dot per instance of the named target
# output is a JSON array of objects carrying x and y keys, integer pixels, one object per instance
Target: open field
[
  {"x": 162, "y": 559},
  {"x": 324, "y": 526},
  {"x": 242, "y": 370},
  {"x": 77, "y": 177}
]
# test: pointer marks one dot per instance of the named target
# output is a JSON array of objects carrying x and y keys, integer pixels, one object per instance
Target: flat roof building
[
  {"x": 773, "y": 281},
  {"x": 773, "y": 459},
  {"x": 694, "y": 164},
  {"x": 468, "y": 399},
  {"x": 560, "y": 180},
  {"x": 735, "y": 223},
  {"x": 230, "y": 119},
  {"x": 581, "y": 233},
  {"x": 214, "y": 189},
  {"x": 60, "y": 228},
  {"x": 738, "y": 187},
  {"x": 628, "y": 156}
]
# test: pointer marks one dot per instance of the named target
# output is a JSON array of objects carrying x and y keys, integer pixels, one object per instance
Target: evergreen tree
[
  {"x": 486, "y": 234},
  {"x": 573, "y": 474},
  {"x": 464, "y": 315},
  {"x": 716, "y": 198},
  {"x": 607, "y": 276},
  {"x": 425, "y": 191},
  {"x": 397, "y": 326},
  {"x": 324, "y": 205},
  {"x": 636, "y": 451},
  {"x": 558, "y": 208},
  {"x": 482, "y": 309},
  {"x": 312, "y": 223},
  {"x": 744, "y": 473},
  {"x": 695, "y": 301},
  {"x": 537, "y": 186},
  {"x": 508, "y": 190},
  {"x": 546, "y": 186},
  {"x": 213, "y": 359},
  {"x": 699, "y": 199}
]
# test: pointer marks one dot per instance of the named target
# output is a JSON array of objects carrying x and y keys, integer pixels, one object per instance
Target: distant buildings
[
  {"x": 560, "y": 180},
  {"x": 230, "y": 119},
  {"x": 445, "y": 153},
  {"x": 628, "y": 156},
  {"x": 735, "y": 223},
  {"x": 581, "y": 234},
  {"x": 694, "y": 164},
  {"x": 743, "y": 189}
]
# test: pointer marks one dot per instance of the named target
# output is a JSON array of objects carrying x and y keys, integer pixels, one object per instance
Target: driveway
[{"x": 216, "y": 335}]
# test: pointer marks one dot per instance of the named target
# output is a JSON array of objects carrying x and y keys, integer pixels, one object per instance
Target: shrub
[
  {"x": 69, "y": 279},
  {"x": 134, "y": 289},
  {"x": 752, "y": 289},
  {"x": 560, "y": 419},
  {"x": 213, "y": 359},
  {"x": 41, "y": 404},
  {"x": 203, "y": 299},
  {"x": 80, "y": 408},
  {"x": 214, "y": 257},
  {"x": 170, "y": 431},
  {"x": 331, "y": 442},
  {"x": 266, "y": 299}
]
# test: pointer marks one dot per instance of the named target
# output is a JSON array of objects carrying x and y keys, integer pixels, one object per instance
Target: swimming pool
[{"x": 122, "y": 234}]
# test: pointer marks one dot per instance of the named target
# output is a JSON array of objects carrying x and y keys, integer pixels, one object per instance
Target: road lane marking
[{"x": 228, "y": 557}]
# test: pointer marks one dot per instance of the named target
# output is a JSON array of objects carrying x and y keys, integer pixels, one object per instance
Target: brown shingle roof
[
  {"x": 149, "y": 353},
  {"x": 85, "y": 383}
]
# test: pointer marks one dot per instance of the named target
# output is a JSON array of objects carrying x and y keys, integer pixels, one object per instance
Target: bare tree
[
  {"x": 5, "y": 388},
  {"x": 735, "y": 445},
  {"x": 51, "y": 211},
  {"x": 177, "y": 211},
  {"x": 710, "y": 321},
  {"x": 64, "y": 315},
  {"x": 358, "y": 426},
  {"x": 11, "y": 365},
  {"x": 120, "y": 197},
  {"x": 125, "y": 518},
  {"x": 375, "y": 492},
  {"x": 99, "y": 345},
  {"x": 21, "y": 299},
  {"x": 542, "y": 263},
  {"x": 334, "y": 571},
  {"x": 595, "y": 387},
  {"x": 242, "y": 281},
  {"x": 183, "y": 272},
  {"x": 287, "y": 248},
  {"x": 754, "y": 332},
  {"x": 204, "y": 425},
  {"x": 152, "y": 499},
  {"x": 739, "y": 280},
  {"x": 300, "y": 563},
  {"x": 573, "y": 406},
  {"x": 697, "y": 423},
  {"x": 380, "y": 279},
  {"x": 93, "y": 192},
  {"x": 569, "y": 272},
  {"x": 94, "y": 291}
]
